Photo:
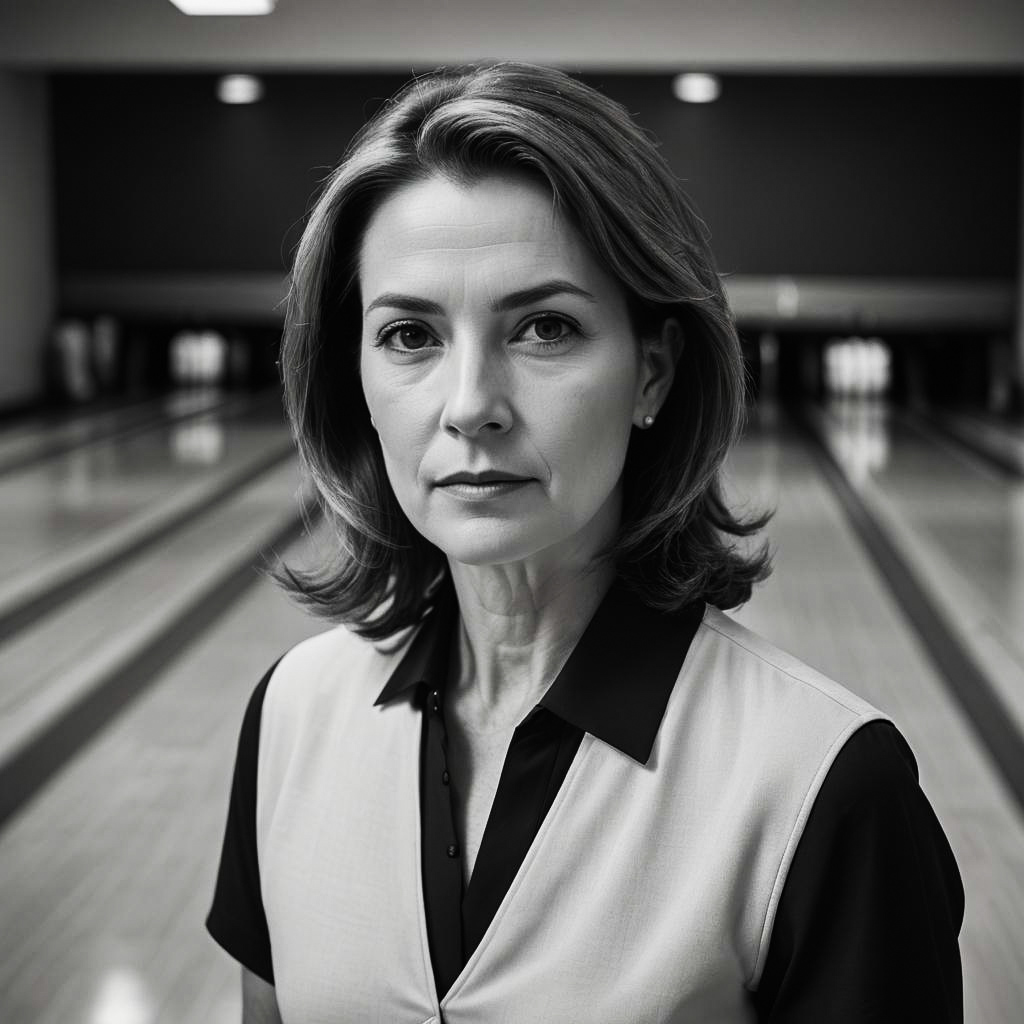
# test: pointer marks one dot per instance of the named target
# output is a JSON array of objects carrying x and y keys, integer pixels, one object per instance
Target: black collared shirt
[{"x": 867, "y": 924}]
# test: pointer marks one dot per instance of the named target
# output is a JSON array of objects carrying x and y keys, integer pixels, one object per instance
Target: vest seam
[
  {"x": 259, "y": 811},
  {"x": 795, "y": 836},
  {"x": 262, "y": 769},
  {"x": 778, "y": 668}
]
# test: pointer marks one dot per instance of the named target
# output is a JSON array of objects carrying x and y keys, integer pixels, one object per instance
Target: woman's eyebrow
[
  {"x": 514, "y": 300},
  {"x": 395, "y": 301},
  {"x": 528, "y": 296}
]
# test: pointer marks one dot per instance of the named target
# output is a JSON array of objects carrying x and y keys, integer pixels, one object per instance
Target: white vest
[{"x": 648, "y": 895}]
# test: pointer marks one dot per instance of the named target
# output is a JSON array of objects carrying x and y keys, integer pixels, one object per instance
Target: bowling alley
[{"x": 676, "y": 350}]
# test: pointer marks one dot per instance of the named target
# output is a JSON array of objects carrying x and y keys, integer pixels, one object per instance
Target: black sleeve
[
  {"x": 867, "y": 925},
  {"x": 236, "y": 919}
]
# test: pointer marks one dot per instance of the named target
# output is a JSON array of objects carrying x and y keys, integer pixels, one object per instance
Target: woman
[{"x": 538, "y": 775}]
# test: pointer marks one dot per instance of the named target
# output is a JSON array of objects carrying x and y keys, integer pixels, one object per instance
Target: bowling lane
[
  {"x": 959, "y": 524},
  {"x": 71, "y": 512},
  {"x": 42, "y": 436},
  {"x": 995, "y": 437},
  {"x": 63, "y": 658},
  {"x": 105, "y": 877},
  {"x": 826, "y": 604}
]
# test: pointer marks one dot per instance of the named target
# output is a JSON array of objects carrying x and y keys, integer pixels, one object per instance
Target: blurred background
[{"x": 860, "y": 167}]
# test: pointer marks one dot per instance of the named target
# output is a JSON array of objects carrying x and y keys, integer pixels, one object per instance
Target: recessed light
[
  {"x": 697, "y": 88},
  {"x": 229, "y": 7},
  {"x": 239, "y": 89}
]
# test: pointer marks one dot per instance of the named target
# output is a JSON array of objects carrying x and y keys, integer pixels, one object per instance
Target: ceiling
[{"x": 736, "y": 35}]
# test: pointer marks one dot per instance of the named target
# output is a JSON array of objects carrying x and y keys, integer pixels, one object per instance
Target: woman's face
[{"x": 500, "y": 368}]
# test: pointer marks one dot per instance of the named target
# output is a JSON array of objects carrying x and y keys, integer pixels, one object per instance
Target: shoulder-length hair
[{"x": 677, "y": 540}]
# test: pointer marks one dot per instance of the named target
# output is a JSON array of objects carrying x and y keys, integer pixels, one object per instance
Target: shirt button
[
  {"x": 435, "y": 702},
  {"x": 445, "y": 777},
  {"x": 453, "y": 850}
]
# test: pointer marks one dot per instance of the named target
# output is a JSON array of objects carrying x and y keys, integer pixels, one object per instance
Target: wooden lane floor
[
  {"x": 958, "y": 523},
  {"x": 70, "y": 516},
  {"x": 993, "y": 437},
  {"x": 73, "y": 661},
  {"x": 827, "y": 604},
  {"x": 31, "y": 436},
  {"x": 105, "y": 877},
  {"x": 41, "y": 436},
  {"x": 49, "y": 507}
]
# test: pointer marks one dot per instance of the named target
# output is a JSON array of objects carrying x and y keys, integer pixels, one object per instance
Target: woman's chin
[{"x": 490, "y": 543}]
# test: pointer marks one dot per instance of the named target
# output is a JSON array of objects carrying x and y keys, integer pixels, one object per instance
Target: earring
[{"x": 648, "y": 421}]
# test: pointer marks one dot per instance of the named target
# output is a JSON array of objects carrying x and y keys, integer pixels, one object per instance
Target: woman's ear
[{"x": 659, "y": 355}]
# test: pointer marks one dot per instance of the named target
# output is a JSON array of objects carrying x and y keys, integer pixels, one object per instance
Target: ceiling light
[
  {"x": 239, "y": 89},
  {"x": 696, "y": 88},
  {"x": 224, "y": 6}
]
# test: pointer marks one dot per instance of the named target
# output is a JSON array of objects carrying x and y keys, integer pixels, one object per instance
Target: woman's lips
[{"x": 482, "y": 486}]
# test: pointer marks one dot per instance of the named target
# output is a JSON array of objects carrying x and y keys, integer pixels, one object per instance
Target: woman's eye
[
  {"x": 548, "y": 330},
  {"x": 405, "y": 337}
]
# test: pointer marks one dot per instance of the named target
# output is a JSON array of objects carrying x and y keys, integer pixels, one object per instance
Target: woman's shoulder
[
  {"x": 336, "y": 645},
  {"x": 336, "y": 666},
  {"x": 783, "y": 721},
  {"x": 752, "y": 664}
]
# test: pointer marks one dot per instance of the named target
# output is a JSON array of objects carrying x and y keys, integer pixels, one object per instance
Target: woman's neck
[{"x": 518, "y": 626}]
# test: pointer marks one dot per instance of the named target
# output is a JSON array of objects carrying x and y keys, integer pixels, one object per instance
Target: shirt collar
[
  {"x": 616, "y": 683},
  {"x": 426, "y": 661}
]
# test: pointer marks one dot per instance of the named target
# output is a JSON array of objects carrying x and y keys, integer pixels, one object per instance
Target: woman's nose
[{"x": 476, "y": 398}]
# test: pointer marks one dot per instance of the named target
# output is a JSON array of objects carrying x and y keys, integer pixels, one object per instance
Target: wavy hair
[{"x": 678, "y": 539}]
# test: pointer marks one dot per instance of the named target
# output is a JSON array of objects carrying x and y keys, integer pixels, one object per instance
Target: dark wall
[
  {"x": 835, "y": 175},
  {"x": 849, "y": 176}
]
